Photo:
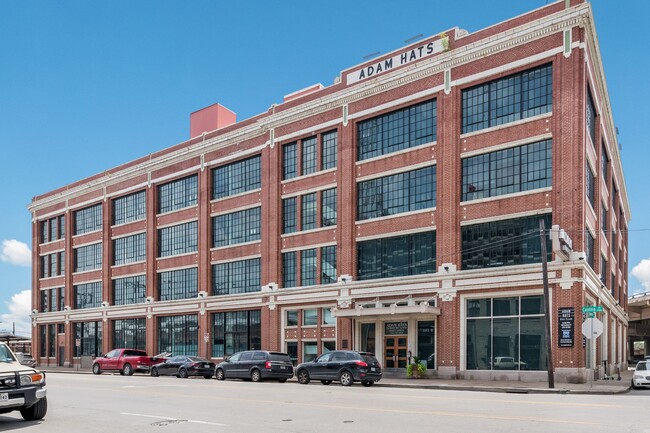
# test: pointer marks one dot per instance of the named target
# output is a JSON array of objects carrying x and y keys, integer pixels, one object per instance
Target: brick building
[{"x": 396, "y": 211}]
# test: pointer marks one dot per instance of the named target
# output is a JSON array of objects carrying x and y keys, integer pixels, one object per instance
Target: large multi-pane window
[
  {"x": 589, "y": 248},
  {"x": 328, "y": 207},
  {"x": 131, "y": 333},
  {"x": 603, "y": 218},
  {"x": 590, "y": 185},
  {"x": 51, "y": 346},
  {"x": 237, "y": 227},
  {"x": 130, "y": 290},
  {"x": 308, "y": 154},
  {"x": 235, "y": 331},
  {"x": 242, "y": 276},
  {"x": 178, "y": 239},
  {"x": 88, "y": 219},
  {"x": 590, "y": 117},
  {"x": 506, "y": 333},
  {"x": 52, "y": 229},
  {"x": 45, "y": 301},
  {"x": 308, "y": 267},
  {"x": 179, "y": 334},
  {"x": 289, "y": 224},
  {"x": 328, "y": 265},
  {"x": 129, "y": 249},
  {"x": 507, "y": 171},
  {"x": 329, "y": 150},
  {"x": 89, "y": 336},
  {"x": 309, "y": 211},
  {"x": 88, "y": 295},
  {"x": 517, "y": 96},
  {"x": 178, "y": 194},
  {"x": 398, "y": 193},
  {"x": 604, "y": 162},
  {"x": 51, "y": 300},
  {"x": 132, "y": 207},
  {"x": 289, "y": 161},
  {"x": 236, "y": 178},
  {"x": 179, "y": 284},
  {"x": 397, "y": 256},
  {"x": 52, "y": 265},
  {"x": 401, "y": 129},
  {"x": 603, "y": 269},
  {"x": 88, "y": 257},
  {"x": 503, "y": 243},
  {"x": 289, "y": 268}
]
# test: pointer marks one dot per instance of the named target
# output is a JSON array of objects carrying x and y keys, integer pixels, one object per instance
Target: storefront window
[
  {"x": 368, "y": 337},
  {"x": 309, "y": 317},
  {"x": 328, "y": 346},
  {"x": 327, "y": 317},
  {"x": 292, "y": 351},
  {"x": 426, "y": 342},
  {"x": 309, "y": 351},
  {"x": 88, "y": 336},
  {"x": 506, "y": 334}
]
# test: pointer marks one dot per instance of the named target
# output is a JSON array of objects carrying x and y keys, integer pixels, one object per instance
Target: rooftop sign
[{"x": 403, "y": 58}]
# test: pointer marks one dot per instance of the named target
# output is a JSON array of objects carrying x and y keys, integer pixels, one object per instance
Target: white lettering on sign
[{"x": 412, "y": 55}]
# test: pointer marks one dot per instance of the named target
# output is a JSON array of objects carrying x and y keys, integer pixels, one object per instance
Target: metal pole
[{"x": 547, "y": 308}]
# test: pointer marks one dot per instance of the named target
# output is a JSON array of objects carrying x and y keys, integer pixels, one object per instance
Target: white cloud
[
  {"x": 16, "y": 253},
  {"x": 642, "y": 273},
  {"x": 19, "y": 308}
]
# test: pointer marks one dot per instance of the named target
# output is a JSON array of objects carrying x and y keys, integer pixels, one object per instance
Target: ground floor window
[
  {"x": 131, "y": 333},
  {"x": 88, "y": 339},
  {"x": 426, "y": 343},
  {"x": 178, "y": 335},
  {"x": 292, "y": 351},
  {"x": 328, "y": 346},
  {"x": 368, "y": 337},
  {"x": 505, "y": 334},
  {"x": 235, "y": 331},
  {"x": 309, "y": 351}
]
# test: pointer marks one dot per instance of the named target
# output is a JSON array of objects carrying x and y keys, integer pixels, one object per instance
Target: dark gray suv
[
  {"x": 344, "y": 366},
  {"x": 256, "y": 365}
]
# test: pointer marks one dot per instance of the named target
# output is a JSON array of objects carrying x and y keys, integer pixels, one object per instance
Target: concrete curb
[{"x": 445, "y": 387}]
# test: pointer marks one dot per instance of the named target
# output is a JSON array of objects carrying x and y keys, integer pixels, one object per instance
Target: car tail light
[
  {"x": 267, "y": 365},
  {"x": 196, "y": 364},
  {"x": 361, "y": 363}
]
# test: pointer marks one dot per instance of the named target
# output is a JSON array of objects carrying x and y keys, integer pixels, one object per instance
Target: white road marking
[{"x": 173, "y": 419}]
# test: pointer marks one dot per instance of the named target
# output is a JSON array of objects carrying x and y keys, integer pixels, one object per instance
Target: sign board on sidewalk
[
  {"x": 592, "y": 328},
  {"x": 565, "y": 317}
]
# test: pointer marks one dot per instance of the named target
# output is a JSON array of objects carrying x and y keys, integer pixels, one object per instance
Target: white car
[{"x": 641, "y": 375}]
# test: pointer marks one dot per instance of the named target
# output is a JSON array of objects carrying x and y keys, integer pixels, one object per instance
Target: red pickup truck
[{"x": 126, "y": 361}]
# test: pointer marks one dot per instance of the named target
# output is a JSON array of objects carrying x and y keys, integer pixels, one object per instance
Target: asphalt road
[{"x": 113, "y": 403}]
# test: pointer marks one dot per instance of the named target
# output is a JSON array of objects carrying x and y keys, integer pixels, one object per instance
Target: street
[{"x": 109, "y": 403}]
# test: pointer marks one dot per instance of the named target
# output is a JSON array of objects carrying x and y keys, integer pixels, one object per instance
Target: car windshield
[
  {"x": 5, "y": 354},
  {"x": 642, "y": 366}
]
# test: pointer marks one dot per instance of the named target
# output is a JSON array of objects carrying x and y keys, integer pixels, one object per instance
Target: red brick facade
[{"x": 533, "y": 39}]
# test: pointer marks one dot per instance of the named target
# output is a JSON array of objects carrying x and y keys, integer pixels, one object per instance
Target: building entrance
[{"x": 395, "y": 351}]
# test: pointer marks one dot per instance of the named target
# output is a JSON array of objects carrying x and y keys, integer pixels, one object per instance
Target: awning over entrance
[{"x": 360, "y": 311}]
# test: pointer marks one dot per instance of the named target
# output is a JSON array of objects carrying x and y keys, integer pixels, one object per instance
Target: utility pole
[{"x": 547, "y": 308}]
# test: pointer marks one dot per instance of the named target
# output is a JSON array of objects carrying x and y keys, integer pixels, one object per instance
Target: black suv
[
  {"x": 344, "y": 366},
  {"x": 256, "y": 365}
]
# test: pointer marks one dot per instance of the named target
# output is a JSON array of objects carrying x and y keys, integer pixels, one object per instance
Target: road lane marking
[{"x": 173, "y": 419}]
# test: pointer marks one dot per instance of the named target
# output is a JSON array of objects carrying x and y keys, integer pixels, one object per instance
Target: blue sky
[{"x": 86, "y": 86}]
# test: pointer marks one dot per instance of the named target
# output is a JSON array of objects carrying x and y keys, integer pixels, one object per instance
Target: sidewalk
[{"x": 596, "y": 387}]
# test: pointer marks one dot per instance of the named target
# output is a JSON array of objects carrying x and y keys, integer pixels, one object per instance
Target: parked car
[
  {"x": 21, "y": 388},
  {"x": 344, "y": 366},
  {"x": 509, "y": 363},
  {"x": 641, "y": 376},
  {"x": 126, "y": 361},
  {"x": 184, "y": 366},
  {"x": 25, "y": 359},
  {"x": 256, "y": 365}
]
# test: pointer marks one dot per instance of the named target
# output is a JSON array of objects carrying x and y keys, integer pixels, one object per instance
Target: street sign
[
  {"x": 592, "y": 309},
  {"x": 592, "y": 328}
]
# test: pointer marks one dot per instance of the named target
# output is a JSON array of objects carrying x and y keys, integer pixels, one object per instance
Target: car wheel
[
  {"x": 325, "y": 382},
  {"x": 346, "y": 378},
  {"x": 182, "y": 373},
  {"x": 303, "y": 377},
  {"x": 367, "y": 383},
  {"x": 220, "y": 374},
  {"x": 97, "y": 369},
  {"x": 154, "y": 372},
  {"x": 284, "y": 379},
  {"x": 128, "y": 370},
  {"x": 256, "y": 376},
  {"x": 35, "y": 412}
]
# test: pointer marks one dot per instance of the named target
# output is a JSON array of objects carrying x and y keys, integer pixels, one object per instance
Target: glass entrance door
[{"x": 395, "y": 351}]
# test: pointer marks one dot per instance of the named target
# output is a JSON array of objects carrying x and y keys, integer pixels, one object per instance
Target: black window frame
[
  {"x": 240, "y": 276},
  {"x": 237, "y": 177},
  {"x": 237, "y": 227},
  {"x": 178, "y": 194}
]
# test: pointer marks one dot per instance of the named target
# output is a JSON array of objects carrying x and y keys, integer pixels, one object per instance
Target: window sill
[
  {"x": 316, "y": 230},
  {"x": 235, "y": 245},
  {"x": 114, "y": 226},
  {"x": 158, "y": 215},
  {"x": 507, "y": 125},
  {"x": 307, "y": 176},
  {"x": 240, "y": 194},
  {"x": 397, "y": 215},
  {"x": 505, "y": 196}
]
